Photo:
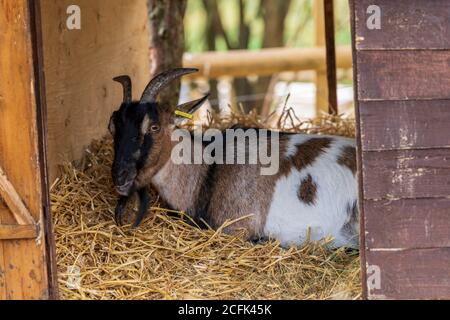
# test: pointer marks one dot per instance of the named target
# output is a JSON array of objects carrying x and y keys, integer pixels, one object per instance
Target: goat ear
[{"x": 189, "y": 107}]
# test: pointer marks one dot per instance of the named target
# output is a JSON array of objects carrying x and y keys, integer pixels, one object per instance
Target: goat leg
[
  {"x": 144, "y": 202},
  {"x": 119, "y": 209}
]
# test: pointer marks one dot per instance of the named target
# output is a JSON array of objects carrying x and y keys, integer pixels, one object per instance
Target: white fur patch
[
  {"x": 145, "y": 124},
  {"x": 291, "y": 221}
]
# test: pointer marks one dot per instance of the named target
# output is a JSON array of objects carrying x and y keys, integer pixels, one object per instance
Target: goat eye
[{"x": 154, "y": 128}]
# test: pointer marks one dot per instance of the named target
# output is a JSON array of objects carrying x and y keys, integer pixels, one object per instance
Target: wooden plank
[
  {"x": 80, "y": 65},
  {"x": 407, "y": 24},
  {"x": 321, "y": 81},
  {"x": 358, "y": 155},
  {"x": 331, "y": 57},
  {"x": 13, "y": 201},
  {"x": 410, "y": 274},
  {"x": 3, "y": 211},
  {"x": 10, "y": 232},
  {"x": 239, "y": 63},
  {"x": 403, "y": 75},
  {"x": 41, "y": 115},
  {"x": 407, "y": 223},
  {"x": 25, "y": 272},
  {"x": 406, "y": 174},
  {"x": 387, "y": 125}
]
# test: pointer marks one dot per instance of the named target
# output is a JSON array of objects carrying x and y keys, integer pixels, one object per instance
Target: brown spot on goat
[
  {"x": 347, "y": 158},
  {"x": 285, "y": 167},
  {"x": 307, "y": 190},
  {"x": 309, "y": 150}
]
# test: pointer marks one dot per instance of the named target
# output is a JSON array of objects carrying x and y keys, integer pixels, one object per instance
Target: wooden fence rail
[{"x": 242, "y": 63}]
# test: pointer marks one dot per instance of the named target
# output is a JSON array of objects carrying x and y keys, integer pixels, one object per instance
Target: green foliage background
[{"x": 299, "y": 24}]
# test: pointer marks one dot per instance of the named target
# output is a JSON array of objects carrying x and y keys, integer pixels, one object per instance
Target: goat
[{"x": 312, "y": 195}]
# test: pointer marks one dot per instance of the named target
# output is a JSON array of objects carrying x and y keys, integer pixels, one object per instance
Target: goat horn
[
  {"x": 127, "y": 87},
  {"x": 161, "y": 81}
]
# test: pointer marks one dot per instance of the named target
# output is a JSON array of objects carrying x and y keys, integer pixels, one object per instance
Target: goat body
[{"x": 313, "y": 195}]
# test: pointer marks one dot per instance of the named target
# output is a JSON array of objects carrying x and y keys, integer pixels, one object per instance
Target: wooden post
[
  {"x": 167, "y": 41},
  {"x": 24, "y": 261},
  {"x": 321, "y": 75},
  {"x": 331, "y": 57}
]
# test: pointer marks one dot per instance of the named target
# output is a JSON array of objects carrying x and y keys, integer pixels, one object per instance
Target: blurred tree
[
  {"x": 275, "y": 12},
  {"x": 272, "y": 13},
  {"x": 167, "y": 40},
  {"x": 214, "y": 29}
]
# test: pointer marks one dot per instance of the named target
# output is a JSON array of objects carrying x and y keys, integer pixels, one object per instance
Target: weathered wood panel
[
  {"x": 3, "y": 211},
  {"x": 403, "y": 75},
  {"x": 402, "y": 84},
  {"x": 13, "y": 201},
  {"x": 406, "y": 174},
  {"x": 80, "y": 65},
  {"x": 387, "y": 125},
  {"x": 407, "y": 223},
  {"x": 411, "y": 24},
  {"x": 47, "y": 225},
  {"x": 359, "y": 175},
  {"x": 24, "y": 271},
  {"x": 11, "y": 232},
  {"x": 411, "y": 274}
]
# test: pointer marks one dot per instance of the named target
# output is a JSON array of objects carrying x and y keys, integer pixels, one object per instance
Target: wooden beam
[
  {"x": 360, "y": 180},
  {"x": 16, "y": 232},
  {"x": 321, "y": 74},
  {"x": 41, "y": 116},
  {"x": 240, "y": 63},
  {"x": 14, "y": 202},
  {"x": 331, "y": 57}
]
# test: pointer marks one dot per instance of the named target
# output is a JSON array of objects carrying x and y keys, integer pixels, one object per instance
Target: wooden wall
[
  {"x": 23, "y": 262},
  {"x": 403, "y": 97},
  {"x": 80, "y": 65}
]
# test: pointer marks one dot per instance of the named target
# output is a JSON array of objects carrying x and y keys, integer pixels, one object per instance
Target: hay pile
[{"x": 165, "y": 258}]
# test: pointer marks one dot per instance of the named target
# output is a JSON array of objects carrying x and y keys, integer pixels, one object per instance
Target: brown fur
[
  {"x": 183, "y": 187},
  {"x": 307, "y": 190},
  {"x": 348, "y": 158},
  {"x": 179, "y": 185},
  {"x": 159, "y": 153},
  {"x": 255, "y": 200},
  {"x": 188, "y": 187},
  {"x": 309, "y": 150}
]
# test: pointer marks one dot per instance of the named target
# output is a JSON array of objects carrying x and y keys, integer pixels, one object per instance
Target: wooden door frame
[
  {"x": 27, "y": 250},
  {"x": 359, "y": 161},
  {"x": 38, "y": 60}
]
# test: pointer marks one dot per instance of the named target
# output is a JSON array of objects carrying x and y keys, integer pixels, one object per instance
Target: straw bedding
[{"x": 167, "y": 258}]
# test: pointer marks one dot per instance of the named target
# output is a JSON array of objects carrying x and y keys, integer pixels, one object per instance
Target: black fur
[
  {"x": 144, "y": 201},
  {"x": 119, "y": 209},
  {"x": 128, "y": 139},
  {"x": 131, "y": 145}
]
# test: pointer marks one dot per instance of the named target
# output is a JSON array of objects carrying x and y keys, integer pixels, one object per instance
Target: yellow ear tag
[{"x": 184, "y": 114}]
